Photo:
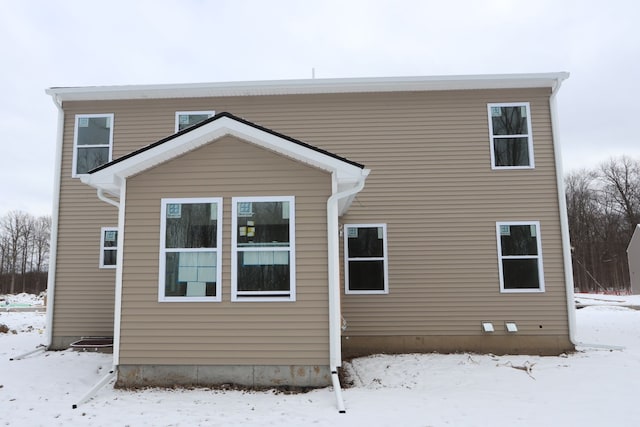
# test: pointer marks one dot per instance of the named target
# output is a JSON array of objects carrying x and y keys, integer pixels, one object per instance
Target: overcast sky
[{"x": 80, "y": 43}]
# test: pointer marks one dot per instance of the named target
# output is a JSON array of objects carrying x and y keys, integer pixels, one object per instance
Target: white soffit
[
  {"x": 309, "y": 86},
  {"x": 110, "y": 178}
]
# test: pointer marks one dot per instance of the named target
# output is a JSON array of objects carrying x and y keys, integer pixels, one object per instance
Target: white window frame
[
  {"x": 347, "y": 258},
  {"x": 540, "y": 288},
  {"x": 164, "y": 250},
  {"x": 75, "y": 140},
  {"x": 103, "y": 230},
  {"x": 528, "y": 135},
  {"x": 241, "y": 296},
  {"x": 210, "y": 113}
]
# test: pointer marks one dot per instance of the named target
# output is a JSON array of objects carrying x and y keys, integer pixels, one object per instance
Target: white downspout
[
  {"x": 55, "y": 213},
  {"x": 118, "y": 301},
  {"x": 564, "y": 221},
  {"x": 119, "y": 266},
  {"x": 333, "y": 242}
]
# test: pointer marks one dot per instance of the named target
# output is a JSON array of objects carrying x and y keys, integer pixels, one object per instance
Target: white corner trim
[{"x": 55, "y": 214}]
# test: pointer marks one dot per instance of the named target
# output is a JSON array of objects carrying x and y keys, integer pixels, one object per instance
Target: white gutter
[
  {"x": 564, "y": 221},
  {"x": 333, "y": 243},
  {"x": 309, "y": 86},
  {"x": 55, "y": 213}
]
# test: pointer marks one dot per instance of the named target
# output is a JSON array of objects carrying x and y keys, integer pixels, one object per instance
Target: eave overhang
[
  {"x": 309, "y": 86},
  {"x": 110, "y": 177}
]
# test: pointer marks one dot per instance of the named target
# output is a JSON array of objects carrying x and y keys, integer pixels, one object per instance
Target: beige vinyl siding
[
  {"x": 225, "y": 333},
  {"x": 431, "y": 182}
]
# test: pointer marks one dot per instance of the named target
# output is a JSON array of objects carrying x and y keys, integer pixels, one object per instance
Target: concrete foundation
[
  {"x": 543, "y": 345},
  {"x": 255, "y": 376}
]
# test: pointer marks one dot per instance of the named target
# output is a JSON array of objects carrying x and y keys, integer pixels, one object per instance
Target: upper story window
[
  {"x": 93, "y": 142},
  {"x": 263, "y": 249},
  {"x": 108, "y": 247},
  {"x": 365, "y": 252},
  {"x": 510, "y": 133},
  {"x": 185, "y": 119},
  {"x": 520, "y": 256},
  {"x": 190, "y": 249}
]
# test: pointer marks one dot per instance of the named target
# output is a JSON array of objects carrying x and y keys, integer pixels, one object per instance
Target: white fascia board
[
  {"x": 110, "y": 178},
  {"x": 309, "y": 86}
]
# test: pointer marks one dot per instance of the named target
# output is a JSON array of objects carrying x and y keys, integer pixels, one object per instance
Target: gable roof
[
  {"x": 309, "y": 86},
  {"x": 110, "y": 176}
]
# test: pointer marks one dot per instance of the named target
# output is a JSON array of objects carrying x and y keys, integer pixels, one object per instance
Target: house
[
  {"x": 633, "y": 252},
  {"x": 259, "y": 233}
]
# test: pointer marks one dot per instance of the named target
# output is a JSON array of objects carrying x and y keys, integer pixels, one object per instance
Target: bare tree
[
  {"x": 620, "y": 179},
  {"x": 12, "y": 226},
  {"x": 24, "y": 249},
  {"x": 603, "y": 207}
]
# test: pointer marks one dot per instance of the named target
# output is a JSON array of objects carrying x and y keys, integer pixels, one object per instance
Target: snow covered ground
[{"x": 596, "y": 386}]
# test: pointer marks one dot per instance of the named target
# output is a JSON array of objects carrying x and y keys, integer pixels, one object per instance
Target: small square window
[
  {"x": 510, "y": 134},
  {"x": 365, "y": 249},
  {"x": 93, "y": 142},
  {"x": 185, "y": 119},
  {"x": 520, "y": 257}
]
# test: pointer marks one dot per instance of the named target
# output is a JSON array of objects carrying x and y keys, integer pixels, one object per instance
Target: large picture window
[
  {"x": 263, "y": 249},
  {"x": 365, "y": 251},
  {"x": 520, "y": 256},
  {"x": 92, "y": 143},
  {"x": 108, "y": 247},
  {"x": 510, "y": 133},
  {"x": 185, "y": 119},
  {"x": 190, "y": 253}
]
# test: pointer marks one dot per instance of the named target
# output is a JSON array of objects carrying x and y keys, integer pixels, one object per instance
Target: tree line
[
  {"x": 24, "y": 252},
  {"x": 603, "y": 207}
]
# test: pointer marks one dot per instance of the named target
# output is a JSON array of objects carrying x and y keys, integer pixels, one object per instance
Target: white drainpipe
[{"x": 335, "y": 345}]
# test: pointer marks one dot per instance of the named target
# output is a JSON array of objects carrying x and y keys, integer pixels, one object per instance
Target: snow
[{"x": 595, "y": 386}]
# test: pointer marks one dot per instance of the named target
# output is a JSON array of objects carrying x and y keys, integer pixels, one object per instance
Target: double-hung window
[
  {"x": 92, "y": 143},
  {"x": 365, "y": 252},
  {"x": 108, "y": 247},
  {"x": 520, "y": 256},
  {"x": 190, "y": 249},
  {"x": 510, "y": 133},
  {"x": 185, "y": 119},
  {"x": 263, "y": 249}
]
